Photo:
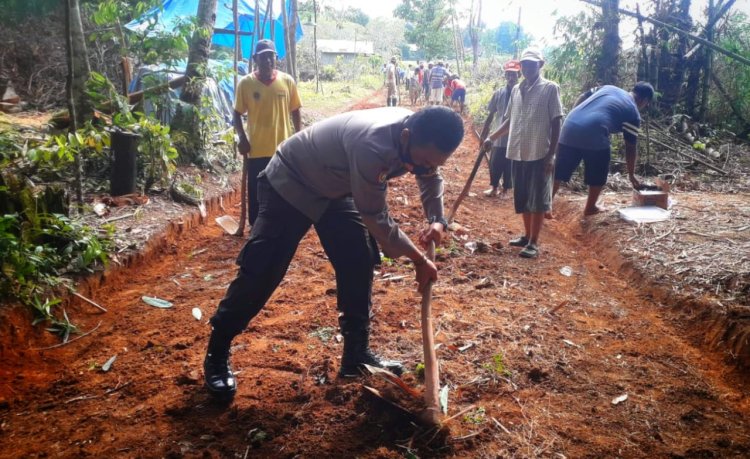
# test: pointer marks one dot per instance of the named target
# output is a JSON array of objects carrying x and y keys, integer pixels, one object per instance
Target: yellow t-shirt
[{"x": 268, "y": 108}]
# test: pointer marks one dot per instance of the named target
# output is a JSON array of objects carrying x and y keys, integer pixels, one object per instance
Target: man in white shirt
[{"x": 533, "y": 120}]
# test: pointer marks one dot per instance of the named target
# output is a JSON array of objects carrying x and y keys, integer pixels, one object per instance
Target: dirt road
[{"x": 542, "y": 356}]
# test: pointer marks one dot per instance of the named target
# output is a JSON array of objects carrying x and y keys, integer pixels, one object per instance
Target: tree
[
  {"x": 79, "y": 104},
  {"x": 475, "y": 21},
  {"x": 200, "y": 47},
  {"x": 78, "y": 65},
  {"x": 606, "y": 61},
  {"x": 427, "y": 25},
  {"x": 502, "y": 39}
]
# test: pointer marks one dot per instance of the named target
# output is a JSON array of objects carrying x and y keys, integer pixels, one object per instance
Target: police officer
[{"x": 334, "y": 176}]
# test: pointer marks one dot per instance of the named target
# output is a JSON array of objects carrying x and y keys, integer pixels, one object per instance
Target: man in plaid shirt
[{"x": 532, "y": 120}]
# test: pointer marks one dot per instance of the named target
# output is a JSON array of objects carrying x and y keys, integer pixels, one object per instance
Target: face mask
[{"x": 406, "y": 158}]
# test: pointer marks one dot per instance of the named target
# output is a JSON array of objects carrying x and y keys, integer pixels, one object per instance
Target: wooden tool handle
[{"x": 431, "y": 371}]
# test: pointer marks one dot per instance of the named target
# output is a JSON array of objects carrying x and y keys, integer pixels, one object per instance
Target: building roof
[{"x": 346, "y": 46}]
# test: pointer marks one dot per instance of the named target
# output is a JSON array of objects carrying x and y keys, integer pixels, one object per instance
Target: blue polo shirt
[{"x": 608, "y": 111}]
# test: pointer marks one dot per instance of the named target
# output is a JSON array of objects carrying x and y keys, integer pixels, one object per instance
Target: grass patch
[{"x": 336, "y": 94}]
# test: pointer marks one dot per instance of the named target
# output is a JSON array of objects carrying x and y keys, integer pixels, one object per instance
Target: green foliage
[
  {"x": 154, "y": 46},
  {"x": 419, "y": 370},
  {"x": 571, "y": 64},
  {"x": 157, "y": 155},
  {"x": 35, "y": 251},
  {"x": 502, "y": 39},
  {"x": 478, "y": 416},
  {"x": 497, "y": 366},
  {"x": 429, "y": 28}
]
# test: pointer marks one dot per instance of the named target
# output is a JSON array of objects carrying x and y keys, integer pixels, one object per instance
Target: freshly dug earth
[{"x": 540, "y": 355}]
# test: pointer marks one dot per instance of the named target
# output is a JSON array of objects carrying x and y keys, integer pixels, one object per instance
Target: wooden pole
[
  {"x": 285, "y": 22},
  {"x": 243, "y": 185},
  {"x": 467, "y": 186},
  {"x": 318, "y": 86},
  {"x": 431, "y": 369}
]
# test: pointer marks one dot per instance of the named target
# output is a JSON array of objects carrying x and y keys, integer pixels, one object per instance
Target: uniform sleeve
[
  {"x": 369, "y": 189},
  {"x": 295, "y": 103},
  {"x": 555, "y": 107},
  {"x": 431, "y": 193},
  {"x": 239, "y": 101}
]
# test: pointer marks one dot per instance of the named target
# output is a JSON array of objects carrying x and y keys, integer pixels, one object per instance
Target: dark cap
[{"x": 264, "y": 46}]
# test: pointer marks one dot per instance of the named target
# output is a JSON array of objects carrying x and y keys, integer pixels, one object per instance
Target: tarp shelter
[{"x": 171, "y": 13}]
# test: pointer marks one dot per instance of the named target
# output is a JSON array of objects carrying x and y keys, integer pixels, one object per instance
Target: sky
[{"x": 538, "y": 17}]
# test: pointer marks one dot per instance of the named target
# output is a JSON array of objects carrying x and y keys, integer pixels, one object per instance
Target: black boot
[
  {"x": 219, "y": 378},
  {"x": 357, "y": 351}
]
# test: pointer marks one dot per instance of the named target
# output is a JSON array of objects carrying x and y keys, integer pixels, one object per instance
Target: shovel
[{"x": 431, "y": 415}]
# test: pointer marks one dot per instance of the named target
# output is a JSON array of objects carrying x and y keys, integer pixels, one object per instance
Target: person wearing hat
[
  {"x": 500, "y": 165},
  {"x": 334, "y": 176},
  {"x": 391, "y": 82},
  {"x": 585, "y": 137},
  {"x": 533, "y": 120},
  {"x": 270, "y": 99}
]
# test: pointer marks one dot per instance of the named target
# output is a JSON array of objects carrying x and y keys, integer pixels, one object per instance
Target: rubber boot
[
  {"x": 357, "y": 351},
  {"x": 219, "y": 379}
]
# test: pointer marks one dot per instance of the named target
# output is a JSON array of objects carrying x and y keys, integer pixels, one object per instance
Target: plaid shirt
[{"x": 531, "y": 111}]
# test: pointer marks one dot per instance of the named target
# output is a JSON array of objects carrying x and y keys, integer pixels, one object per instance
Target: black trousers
[
  {"x": 500, "y": 167},
  {"x": 274, "y": 238},
  {"x": 254, "y": 167}
]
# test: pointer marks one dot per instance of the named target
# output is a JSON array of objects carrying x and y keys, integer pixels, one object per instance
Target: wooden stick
[
  {"x": 91, "y": 302},
  {"x": 467, "y": 187},
  {"x": 243, "y": 197},
  {"x": 431, "y": 371},
  {"x": 691, "y": 157},
  {"x": 67, "y": 342}
]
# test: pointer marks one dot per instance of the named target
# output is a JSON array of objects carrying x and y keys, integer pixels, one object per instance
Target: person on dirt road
[
  {"x": 334, "y": 176},
  {"x": 533, "y": 120},
  {"x": 585, "y": 136},
  {"x": 270, "y": 99},
  {"x": 500, "y": 165},
  {"x": 391, "y": 83},
  {"x": 437, "y": 80}
]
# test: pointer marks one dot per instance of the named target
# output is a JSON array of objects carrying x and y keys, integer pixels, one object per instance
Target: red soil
[{"x": 569, "y": 346}]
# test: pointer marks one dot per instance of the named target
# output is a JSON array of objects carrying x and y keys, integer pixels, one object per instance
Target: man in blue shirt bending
[{"x": 585, "y": 136}]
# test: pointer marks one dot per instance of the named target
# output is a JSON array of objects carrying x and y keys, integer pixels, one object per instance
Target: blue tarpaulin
[{"x": 171, "y": 13}]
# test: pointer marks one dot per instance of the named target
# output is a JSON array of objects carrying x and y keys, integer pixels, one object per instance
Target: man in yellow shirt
[{"x": 270, "y": 99}]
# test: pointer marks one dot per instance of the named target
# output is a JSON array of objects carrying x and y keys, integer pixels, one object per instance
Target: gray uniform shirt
[{"x": 352, "y": 154}]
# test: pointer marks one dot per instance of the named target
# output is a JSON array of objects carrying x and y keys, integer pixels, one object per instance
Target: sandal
[
  {"x": 521, "y": 241},
  {"x": 530, "y": 251}
]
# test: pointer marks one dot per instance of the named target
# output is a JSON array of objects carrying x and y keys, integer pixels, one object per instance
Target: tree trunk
[
  {"x": 200, "y": 47},
  {"x": 78, "y": 65},
  {"x": 606, "y": 64},
  {"x": 672, "y": 59},
  {"x": 79, "y": 105},
  {"x": 287, "y": 31},
  {"x": 474, "y": 23},
  {"x": 707, "y": 62},
  {"x": 293, "y": 37}
]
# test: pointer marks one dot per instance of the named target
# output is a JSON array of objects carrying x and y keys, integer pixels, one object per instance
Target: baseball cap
[
  {"x": 512, "y": 66},
  {"x": 264, "y": 46},
  {"x": 531, "y": 54}
]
